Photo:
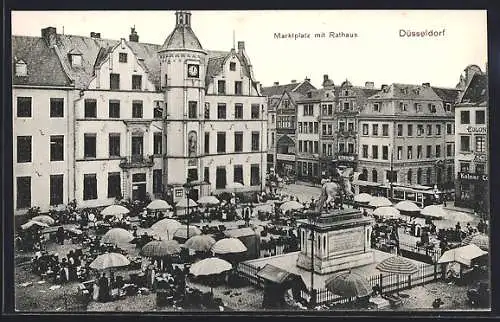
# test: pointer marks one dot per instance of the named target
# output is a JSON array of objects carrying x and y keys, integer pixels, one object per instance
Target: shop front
[
  {"x": 347, "y": 160},
  {"x": 472, "y": 191},
  {"x": 285, "y": 165}
]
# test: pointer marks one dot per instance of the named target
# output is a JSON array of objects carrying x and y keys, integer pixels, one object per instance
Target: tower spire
[{"x": 234, "y": 40}]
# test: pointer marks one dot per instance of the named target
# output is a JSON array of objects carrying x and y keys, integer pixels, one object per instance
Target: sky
[{"x": 378, "y": 53}]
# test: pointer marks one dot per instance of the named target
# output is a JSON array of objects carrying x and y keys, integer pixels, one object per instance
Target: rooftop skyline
[{"x": 377, "y": 54}]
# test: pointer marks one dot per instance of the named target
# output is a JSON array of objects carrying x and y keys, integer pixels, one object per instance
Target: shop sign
[
  {"x": 472, "y": 176},
  {"x": 346, "y": 157},
  {"x": 285, "y": 157},
  {"x": 477, "y": 129}
]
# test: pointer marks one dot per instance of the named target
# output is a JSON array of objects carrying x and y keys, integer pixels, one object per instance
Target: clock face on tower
[{"x": 193, "y": 70}]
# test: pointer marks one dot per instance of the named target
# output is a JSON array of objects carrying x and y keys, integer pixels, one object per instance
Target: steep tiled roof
[
  {"x": 407, "y": 92},
  {"x": 182, "y": 37},
  {"x": 43, "y": 65},
  {"x": 477, "y": 91},
  {"x": 278, "y": 89},
  {"x": 215, "y": 64},
  {"x": 447, "y": 94}
]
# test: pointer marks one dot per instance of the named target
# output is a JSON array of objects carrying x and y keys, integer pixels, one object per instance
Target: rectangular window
[
  {"x": 238, "y": 88},
  {"x": 57, "y": 107},
  {"x": 329, "y": 129},
  {"x": 410, "y": 152},
  {"x": 157, "y": 181},
  {"x": 385, "y": 129},
  {"x": 114, "y": 81},
  {"x": 221, "y": 142},
  {"x": 193, "y": 109},
  {"x": 428, "y": 151},
  {"x": 350, "y": 127},
  {"x": 400, "y": 129},
  {"x": 89, "y": 186},
  {"x": 365, "y": 151},
  {"x": 341, "y": 127},
  {"x": 438, "y": 129},
  {"x": 323, "y": 128},
  {"x": 90, "y": 108},
  {"x": 480, "y": 144},
  {"x": 346, "y": 105},
  {"x": 308, "y": 110},
  {"x": 23, "y": 149},
  {"x": 221, "y": 111},
  {"x": 341, "y": 147},
  {"x": 374, "y": 151},
  {"x": 438, "y": 151},
  {"x": 157, "y": 143},
  {"x": 23, "y": 192},
  {"x": 238, "y": 141},
  {"x": 385, "y": 152},
  {"x": 420, "y": 129},
  {"x": 238, "y": 111},
  {"x": 365, "y": 129},
  {"x": 419, "y": 152},
  {"x": 330, "y": 109},
  {"x": 238, "y": 173},
  {"x": 157, "y": 109},
  {"x": 255, "y": 111},
  {"x": 220, "y": 177},
  {"x": 376, "y": 107},
  {"x": 323, "y": 149},
  {"x": 316, "y": 147},
  {"x": 206, "y": 174},
  {"x": 207, "y": 143},
  {"x": 136, "y": 82},
  {"x": 221, "y": 87},
  {"x": 24, "y": 107},
  {"x": 464, "y": 117},
  {"x": 400, "y": 152},
  {"x": 57, "y": 148},
  {"x": 122, "y": 57},
  {"x": 465, "y": 143},
  {"x": 114, "y": 109},
  {"x": 480, "y": 168},
  {"x": 114, "y": 145},
  {"x": 410, "y": 130},
  {"x": 449, "y": 128},
  {"x": 330, "y": 150},
  {"x": 114, "y": 185},
  {"x": 350, "y": 148},
  {"x": 429, "y": 129},
  {"x": 254, "y": 174},
  {"x": 447, "y": 107},
  {"x": 232, "y": 67},
  {"x": 255, "y": 141},
  {"x": 311, "y": 127},
  {"x": 56, "y": 189},
  {"x": 300, "y": 146},
  {"x": 480, "y": 117},
  {"x": 137, "y": 109},
  {"x": 375, "y": 129},
  {"x": 89, "y": 145},
  {"x": 449, "y": 150},
  {"x": 316, "y": 127},
  {"x": 464, "y": 167}
]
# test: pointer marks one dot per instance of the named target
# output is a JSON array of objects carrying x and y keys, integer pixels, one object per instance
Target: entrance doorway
[{"x": 139, "y": 186}]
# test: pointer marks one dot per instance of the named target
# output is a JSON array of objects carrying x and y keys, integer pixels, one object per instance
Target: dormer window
[
  {"x": 122, "y": 57},
  {"x": 75, "y": 57},
  {"x": 432, "y": 108},
  {"x": 402, "y": 106},
  {"x": 21, "y": 68},
  {"x": 376, "y": 107},
  {"x": 232, "y": 66},
  {"x": 309, "y": 95},
  {"x": 346, "y": 93}
]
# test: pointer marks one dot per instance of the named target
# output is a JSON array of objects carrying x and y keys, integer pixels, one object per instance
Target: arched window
[
  {"x": 410, "y": 175},
  {"x": 374, "y": 175},
  {"x": 429, "y": 175},
  {"x": 419, "y": 176},
  {"x": 364, "y": 175}
]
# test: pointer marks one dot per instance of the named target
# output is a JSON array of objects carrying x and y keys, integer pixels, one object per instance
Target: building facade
[
  {"x": 472, "y": 146},
  {"x": 136, "y": 118}
]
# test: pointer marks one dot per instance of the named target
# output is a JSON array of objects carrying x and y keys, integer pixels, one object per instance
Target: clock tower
[{"x": 182, "y": 75}]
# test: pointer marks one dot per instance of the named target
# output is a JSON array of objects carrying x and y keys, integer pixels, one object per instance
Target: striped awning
[{"x": 397, "y": 265}]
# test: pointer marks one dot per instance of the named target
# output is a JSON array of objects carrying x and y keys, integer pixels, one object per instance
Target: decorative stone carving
[{"x": 192, "y": 144}]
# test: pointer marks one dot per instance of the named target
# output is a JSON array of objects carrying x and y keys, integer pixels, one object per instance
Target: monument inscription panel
[{"x": 346, "y": 241}]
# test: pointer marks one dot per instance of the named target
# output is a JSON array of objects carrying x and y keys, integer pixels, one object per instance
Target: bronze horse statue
[{"x": 331, "y": 190}]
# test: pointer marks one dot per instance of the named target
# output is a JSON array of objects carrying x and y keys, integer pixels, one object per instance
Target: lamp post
[
  {"x": 187, "y": 188},
  {"x": 312, "y": 216},
  {"x": 391, "y": 174}
]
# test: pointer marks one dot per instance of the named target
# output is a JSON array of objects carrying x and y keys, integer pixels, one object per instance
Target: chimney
[
  {"x": 134, "y": 37},
  {"x": 95, "y": 34},
  {"x": 325, "y": 77},
  {"x": 385, "y": 87},
  {"x": 241, "y": 46},
  {"x": 369, "y": 85},
  {"x": 307, "y": 79},
  {"x": 294, "y": 81},
  {"x": 426, "y": 85},
  {"x": 276, "y": 83},
  {"x": 49, "y": 34}
]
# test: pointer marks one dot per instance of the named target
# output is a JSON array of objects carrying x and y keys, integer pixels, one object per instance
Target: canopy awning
[
  {"x": 463, "y": 255},
  {"x": 239, "y": 232},
  {"x": 278, "y": 275}
]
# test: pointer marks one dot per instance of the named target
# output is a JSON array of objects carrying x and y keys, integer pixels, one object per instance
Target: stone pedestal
[{"x": 322, "y": 266}]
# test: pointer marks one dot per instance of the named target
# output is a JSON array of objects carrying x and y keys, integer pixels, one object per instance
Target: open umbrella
[
  {"x": 389, "y": 212},
  {"x": 158, "y": 204},
  {"x": 379, "y": 202},
  {"x": 234, "y": 186},
  {"x": 434, "y": 211},
  {"x": 463, "y": 255},
  {"x": 183, "y": 203},
  {"x": 349, "y": 284},
  {"x": 109, "y": 260},
  {"x": 480, "y": 240},
  {"x": 181, "y": 232},
  {"x": 228, "y": 246},
  {"x": 363, "y": 198},
  {"x": 115, "y": 211},
  {"x": 162, "y": 248},
  {"x": 32, "y": 223},
  {"x": 208, "y": 200},
  {"x": 407, "y": 206},
  {"x": 44, "y": 219},
  {"x": 397, "y": 265},
  {"x": 166, "y": 228},
  {"x": 117, "y": 236},
  {"x": 200, "y": 243},
  {"x": 210, "y": 266},
  {"x": 291, "y": 205},
  {"x": 267, "y": 207}
]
